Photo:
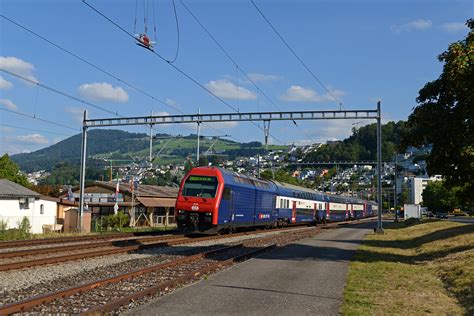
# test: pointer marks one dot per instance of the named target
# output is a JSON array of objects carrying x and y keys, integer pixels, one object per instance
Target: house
[
  {"x": 148, "y": 205},
  {"x": 416, "y": 186},
  {"x": 17, "y": 202}
]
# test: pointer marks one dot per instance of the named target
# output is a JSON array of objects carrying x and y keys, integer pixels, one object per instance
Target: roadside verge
[{"x": 415, "y": 268}]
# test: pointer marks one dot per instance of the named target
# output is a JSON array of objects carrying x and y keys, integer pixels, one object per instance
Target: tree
[
  {"x": 9, "y": 170},
  {"x": 444, "y": 117},
  {"x": 439, "y": 198},
  {"x": 280, "y": 175},
  {"x": 203, "y": 161},
  {"x": 188, "y": 165},
  {"x": 67, "y": 174}
]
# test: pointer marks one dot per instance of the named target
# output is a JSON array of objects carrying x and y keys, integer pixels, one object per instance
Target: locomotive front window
[{"x": 201, "y": 186}]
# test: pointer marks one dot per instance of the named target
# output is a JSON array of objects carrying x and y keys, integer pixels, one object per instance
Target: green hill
[
  {"x": 362, "y": 144},
  {"x": 116, "y": 144}
]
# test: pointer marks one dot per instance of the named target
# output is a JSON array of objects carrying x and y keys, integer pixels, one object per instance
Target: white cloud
[
  {"x": 102, "y": 91},
  {"x": 331, "y": 130},
  {"x": 171, "y": 102},
  {"x": 210, "y": 127},
  {"x": 5, "y": 84},
  {"x": 227, "y": 90},
  {"x": 18, "y": 66},
  {"x": 415, "y": 25},
  {"x": 8, "y": 104},
  {"x": 77, "y": 113},
  {"x": 308, "y": 95},
  {"x": 453, "y": 27},
  {"x": 32, "y": 139},
  {"x": 263, "y": 77},
  {"x": 219, "y": 125}
]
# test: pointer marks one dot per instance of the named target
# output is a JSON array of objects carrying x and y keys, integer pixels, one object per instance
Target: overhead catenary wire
[
  {"x": 233, "y": 61},
  {"x": 130, "y": 85},
  {"x": 64, "y": 94},
  {"x": 57, "y": 91},
  {"x": 101, "y": 69},
  {"x": 296, "y": 55},
  {"x": 35, "y": 130},
  {"x": 182, "y": 72},
  {"x": 41, "y": 119}
]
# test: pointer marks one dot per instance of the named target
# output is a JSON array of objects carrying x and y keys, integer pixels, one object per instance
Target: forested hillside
[{"x": 362, "y": 144}]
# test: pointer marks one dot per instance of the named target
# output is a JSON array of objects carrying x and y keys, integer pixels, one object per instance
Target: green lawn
[{"x": 423, "y": 268}]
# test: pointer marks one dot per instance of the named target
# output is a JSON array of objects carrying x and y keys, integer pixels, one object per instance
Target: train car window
[
  {"x": 226, "y": 194},
  {"x": 202, "y": 186}
]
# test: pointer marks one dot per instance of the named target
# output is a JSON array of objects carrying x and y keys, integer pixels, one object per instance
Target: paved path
[{"x": 304, "y": 278}]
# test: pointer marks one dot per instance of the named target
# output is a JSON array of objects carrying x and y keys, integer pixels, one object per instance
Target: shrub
[
  {"x": 3, "y": 229},
  {"x": 24, "y": 228},
  {"x": 117, "y": 221}
]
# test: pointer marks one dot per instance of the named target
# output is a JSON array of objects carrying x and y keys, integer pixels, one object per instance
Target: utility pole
[
  {"x": 395, "y": 190},
  {"x": 258, "y": 166},
  {"x": 198, "y": 137},
  {"x": 151, "y": 143},
  {"x": 379, "y": 229},
  {"x": 83, "y": 170},
  {"x": 266, "y": 132}
]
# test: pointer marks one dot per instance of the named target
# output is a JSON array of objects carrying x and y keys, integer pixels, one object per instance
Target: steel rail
[
  {"x": 54, "y": 240},
  {"x": 116, "y": 243}
]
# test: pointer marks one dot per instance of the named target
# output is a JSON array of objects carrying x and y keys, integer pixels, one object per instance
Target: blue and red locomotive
[{"x": 213, "y": 199}]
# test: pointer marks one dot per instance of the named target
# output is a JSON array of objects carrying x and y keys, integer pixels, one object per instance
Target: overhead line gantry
[{"x": 198, "y": 118}]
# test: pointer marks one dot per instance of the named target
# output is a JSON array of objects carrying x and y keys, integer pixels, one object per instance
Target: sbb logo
[{"x": 195, "y": 207}]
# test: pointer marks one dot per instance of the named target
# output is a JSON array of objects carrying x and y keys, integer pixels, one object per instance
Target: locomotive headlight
[
  {"x": 208, "y": 217},
  {"x": 181, "y": 215}
]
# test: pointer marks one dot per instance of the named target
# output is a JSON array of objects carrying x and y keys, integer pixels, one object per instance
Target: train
[{"x": 216, "y": 200}]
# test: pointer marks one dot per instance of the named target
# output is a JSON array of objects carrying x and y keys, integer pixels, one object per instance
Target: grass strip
[{"x": 414, "y": 268}]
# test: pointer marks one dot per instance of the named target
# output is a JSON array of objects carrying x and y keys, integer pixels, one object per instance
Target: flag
[
  {"x": 70, "y": 195},
  {"x": 117, "y": 188}
]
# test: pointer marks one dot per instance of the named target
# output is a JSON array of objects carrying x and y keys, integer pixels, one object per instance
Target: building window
[
  {"x": 24, "y": 205},
  {"x": 42, "y": 209}
]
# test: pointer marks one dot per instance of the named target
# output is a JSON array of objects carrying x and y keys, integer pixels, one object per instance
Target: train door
[
  {"x": 293, "y": 213},
  {"x": 315, "y": 213},
  {"x": 231, "y": 209},
  {"x": 227, "y": 208},
  {"x": 328, "y": 212}
]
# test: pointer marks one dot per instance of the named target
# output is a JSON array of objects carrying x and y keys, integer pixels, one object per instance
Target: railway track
[
  {"x": 73, "y": 239},
  {"x": 110, "y": 294},
  {"x": 40, "y": 257},
  {"x": 113, "y": 243},
  {"x": 10, "y": 262}
]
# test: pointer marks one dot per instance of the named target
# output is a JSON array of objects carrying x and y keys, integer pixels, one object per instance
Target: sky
[{"x": 362, "y": 51}]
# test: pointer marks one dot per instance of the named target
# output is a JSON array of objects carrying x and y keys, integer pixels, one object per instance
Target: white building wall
[
  {"x": 11, "y": 213},
  {"x": 417, "y": 185}
]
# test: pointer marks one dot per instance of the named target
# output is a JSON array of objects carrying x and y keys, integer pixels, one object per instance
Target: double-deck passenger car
[{"x": 213, "y": 199}]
